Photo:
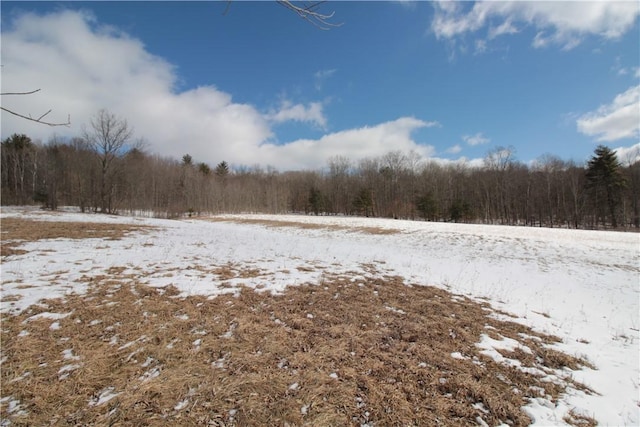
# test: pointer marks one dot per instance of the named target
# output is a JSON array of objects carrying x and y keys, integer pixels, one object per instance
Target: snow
[
  {"x": 105, "y": 395},
  {"x": 582, "y": 286},
  {"x": 68, "y": 354},
  {"x": 66, "y": 370},
  {"x": 181, "y": 405}
]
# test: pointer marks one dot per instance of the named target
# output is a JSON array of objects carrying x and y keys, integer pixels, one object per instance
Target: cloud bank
[
  {"x": 564, "y": 24},
  {"x": 82, "y": 66}
]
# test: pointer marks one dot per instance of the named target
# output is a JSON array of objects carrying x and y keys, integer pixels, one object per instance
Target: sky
[{"x": 251, "y": 83}]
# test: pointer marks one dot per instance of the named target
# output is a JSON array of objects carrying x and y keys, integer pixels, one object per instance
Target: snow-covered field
[{"x": 582, "y": 286}]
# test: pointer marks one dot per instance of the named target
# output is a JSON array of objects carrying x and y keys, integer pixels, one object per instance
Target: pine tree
[
  {"x": 363, "y": 203},
  {"x": 222, "y": 169},
  {"x": 316, "y": 200},
  {"x": 427, "y": 207},
  {"x": 605, "y": 180}
]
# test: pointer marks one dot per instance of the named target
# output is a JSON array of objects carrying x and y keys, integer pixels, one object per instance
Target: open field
[{"x": 294, "y": 320}]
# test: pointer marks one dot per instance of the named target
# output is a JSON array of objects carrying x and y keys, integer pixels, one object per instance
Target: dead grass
[
  {"x": 338, "y": 353},
  {"x": 306, "y": 226},
  {"x": 342, "y": 352},
  {"x": 580, "y": 420},
  {"x": 16, "y": 231}
]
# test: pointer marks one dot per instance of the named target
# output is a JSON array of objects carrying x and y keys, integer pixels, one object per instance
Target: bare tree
[
  {"x": 40, "y": 118},
  {"x": 107, "y": 137}
]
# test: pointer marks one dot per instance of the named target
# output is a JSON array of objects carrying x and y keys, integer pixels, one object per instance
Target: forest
[{"x": 103, "y": 170}]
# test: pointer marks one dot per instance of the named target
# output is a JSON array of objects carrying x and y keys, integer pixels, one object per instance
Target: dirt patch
[
  {"x": 16, "y": 231},
  {"x": 307, "y": 226},
  {"x": 343, "y": 352}
]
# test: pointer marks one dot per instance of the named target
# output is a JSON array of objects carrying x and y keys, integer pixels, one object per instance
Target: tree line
[{"x": 102, "y": 170}]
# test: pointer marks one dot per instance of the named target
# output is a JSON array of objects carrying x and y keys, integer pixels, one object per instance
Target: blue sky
[{"x": 258, "y": 85}]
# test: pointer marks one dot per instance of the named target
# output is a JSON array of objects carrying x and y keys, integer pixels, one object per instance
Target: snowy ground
[{"x": 582, "y": 286}]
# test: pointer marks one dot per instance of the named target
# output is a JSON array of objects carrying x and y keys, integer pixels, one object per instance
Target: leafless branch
[
  {"x": 32, "y": 119},
  {"x": 19, "y": 93},
  {"x": 226, "y": 9},
  {"x": 309, "y": 11}
]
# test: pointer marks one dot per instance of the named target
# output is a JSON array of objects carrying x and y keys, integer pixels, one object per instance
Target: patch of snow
[
  {"x": 130, "y": 343},
  {"x": 21, "y": 377},
  {"x": 13, "y": 406},
  {"x": 54, "y": 326},
  {"x": 133, "y": 354},
  {"x": 104, "y": 396},
  {"x": 46, "y": 315},
  {"x": 66, "y": 370},
  {"x": 509, "y": 344},
  {"x": 394, "y": 310},
  {"x": 181, "y": 405},
  {"x": 219, "y": 363},
  {"x": 150, "y": 374},
  {"x": 458, "y": 355},
  {"x": 229, "y": 333},
  {"x": 148, "y": 362},
  {"x": 68, "y": 354}
]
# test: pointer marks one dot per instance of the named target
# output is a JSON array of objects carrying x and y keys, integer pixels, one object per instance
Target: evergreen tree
[
  {"x": 222, "y": 170},
  {"x": 427, "y": 207},
  {"x": 605, "y": 180},
  {"x": 316, "y": 201},
  {"x": 204, "y": 169},
  {"x": 459, "y": 210},
  {"x": 363, "y": 203}
]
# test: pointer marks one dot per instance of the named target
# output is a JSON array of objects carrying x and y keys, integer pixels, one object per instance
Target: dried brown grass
[
  {"x": 338, "y": 353},
  {"x": 16, "y": 231},
  {"x": 267, "y": 359},
  {"x": 580, "y": 420},
  {"x": 305, "y": 225}
]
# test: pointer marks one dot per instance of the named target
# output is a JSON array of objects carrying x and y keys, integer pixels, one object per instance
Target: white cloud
[
  {"x": 82, "y": 67},
  {"x": 618, "y": 120},
  {"x": 321, "y": 76},
  {"x": 455, "y": 149},
  {"x": 476, "y": 139},
  {"x": 355, "y": 144},
  {"x": 506, "y": 27},
  {"x": 481, "y": 46},
  {"x": 311, "y": 113},
  {"x": 560, "y": 23},
  {"x": 628, "y": 155}
]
